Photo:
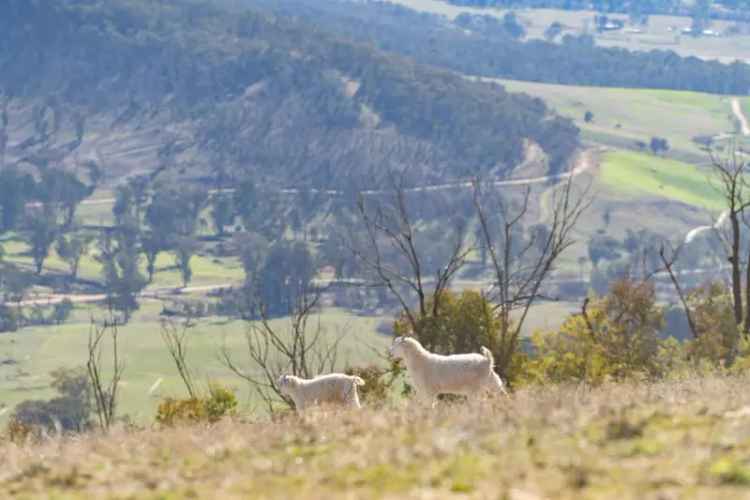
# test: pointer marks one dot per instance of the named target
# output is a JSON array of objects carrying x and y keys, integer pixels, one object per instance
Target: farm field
[
  {"x": 682, "y": 439},
  {"x": 636, "y": 174},
  {"x": 207, "y": 270},
  {"x": 655, "y": 36},
  {"x": 621, "y": 117},
  {"x": 35, "y": 352}
]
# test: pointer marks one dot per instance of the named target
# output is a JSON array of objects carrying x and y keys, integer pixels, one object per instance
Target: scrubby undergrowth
[{"x": 688, "y": 439}]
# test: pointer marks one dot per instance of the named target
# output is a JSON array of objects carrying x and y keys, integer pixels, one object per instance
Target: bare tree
[
  {"x": 390, "y": 251},
  {"x": 522, "y": 265},
  {"x": 105, "y": 392},
  {"x": 302, "y": 349},
  {"x": 730, "y": 172},
  {"x": 175, "y": 337},
  {"x": 668, "y": 262}
]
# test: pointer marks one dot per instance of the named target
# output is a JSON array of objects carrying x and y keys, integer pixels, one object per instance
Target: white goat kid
[
  {"x": 334, "y": 388},
  {"x": 433, "y": 374}
]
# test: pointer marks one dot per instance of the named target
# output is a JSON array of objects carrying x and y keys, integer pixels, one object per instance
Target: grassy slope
[
  {"x": 643, "y": 174},
  {"x": 640, "y": 114},
  {"x": 38, "y": 351},
  {"x": 667, "y": 440}
]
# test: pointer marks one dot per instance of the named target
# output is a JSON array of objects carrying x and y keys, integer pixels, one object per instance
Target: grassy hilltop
[{"x": 686, "y": 439}]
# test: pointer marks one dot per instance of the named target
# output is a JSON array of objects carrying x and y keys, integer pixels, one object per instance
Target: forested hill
[
  {"x": 491, "y": 47},
  {"x": 250, "y": 91}
]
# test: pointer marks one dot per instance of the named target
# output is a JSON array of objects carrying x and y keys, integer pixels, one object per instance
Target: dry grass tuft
[{"x": 687, "y": 439}]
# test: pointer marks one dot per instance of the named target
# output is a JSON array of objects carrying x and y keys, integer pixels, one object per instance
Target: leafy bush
[
  {"x": 220, "y": 402},
  {"x": 616, "y": 338},
  {"x": 713, "y": 315},
  {"x": 9, "y": 319},
  {"x": 71, "y": 411},
  {"x": 379, "y": 381},
  {"x": 19, "y": 433},
  {"x": 464, "y": 323}
]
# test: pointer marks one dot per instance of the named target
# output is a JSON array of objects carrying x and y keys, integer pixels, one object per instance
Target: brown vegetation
[{"x": 685, "y": 439}]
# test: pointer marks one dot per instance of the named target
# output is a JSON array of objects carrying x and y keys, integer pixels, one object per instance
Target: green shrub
[
  {"x": 617, "y": 338},
  {"x": 220, "y": 402},
  {"x": 379, "y": 381},
  {"x": 70, "y": 411},
  {"x": 465, "y": 322},
  {"x": 713, "y": 315}
]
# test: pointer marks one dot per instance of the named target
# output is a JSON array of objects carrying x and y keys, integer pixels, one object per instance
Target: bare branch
[
  {"x": 668, "y": 264},
  {"x": 105, "y": 393},
  {"x": 176, "y": 340},
  {"x": 519, "y": 276}
]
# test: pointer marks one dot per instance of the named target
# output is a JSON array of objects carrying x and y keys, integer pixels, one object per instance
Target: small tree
[
  {"x": 222, "y": 212},
  {"x": 123, "y": 280},
  {"x": 72, "y": 249},
  {"x": 42, "y": 234},
  {"x": 70, "y": 411},
  {"x": 658, "y": 145},
  {"x": 105, "y": 392},
  {"x": 151, "y": 245},
  {"x": 185, "y": 249},
  {"x": 61, "y": 311},
  {"x": 588, "y": 117}
]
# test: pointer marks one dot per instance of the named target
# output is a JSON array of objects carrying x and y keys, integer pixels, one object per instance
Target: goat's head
[
  {"x": 402, "y": 345},
  {"x": 285, "y": 382}
]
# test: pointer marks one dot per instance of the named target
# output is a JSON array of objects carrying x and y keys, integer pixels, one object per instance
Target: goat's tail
[
  {"x": 358, "y": 381},
  {"x": 488, "y": 354}
]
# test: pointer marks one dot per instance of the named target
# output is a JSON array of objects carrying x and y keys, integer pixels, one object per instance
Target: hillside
[
  {"x": 198, "y": 91},
  {"x": 628, "y": 441},
  {"x": 481, "y": 44}
]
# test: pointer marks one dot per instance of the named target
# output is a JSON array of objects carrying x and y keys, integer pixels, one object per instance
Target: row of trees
[
  {"x": 701, "y": 10},
  {"x": 575, "y": 60}
]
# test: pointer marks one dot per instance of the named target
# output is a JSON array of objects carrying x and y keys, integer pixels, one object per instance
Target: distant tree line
[
  {"x": 488, "y": 49},
  {"x": 724, "y": 9}
]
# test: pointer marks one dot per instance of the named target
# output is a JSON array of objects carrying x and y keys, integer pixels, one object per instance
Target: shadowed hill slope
[{"x": 191, "y": 85}]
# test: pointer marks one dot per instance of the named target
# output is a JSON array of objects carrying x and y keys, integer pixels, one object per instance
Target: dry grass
[{"x": 686, "y": 439}]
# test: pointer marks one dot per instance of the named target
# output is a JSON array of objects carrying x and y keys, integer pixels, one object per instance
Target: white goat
[
  {"x": 434, "y": 374},
  {"x": 336, "y": 388}
]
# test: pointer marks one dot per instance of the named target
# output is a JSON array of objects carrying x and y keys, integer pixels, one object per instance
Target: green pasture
[
  {"x": 35, "y": 352},
  {"x": 636, "y": 174},
  {"x": 624, "y": 116},
  {"x": 207, "y": 270}
]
